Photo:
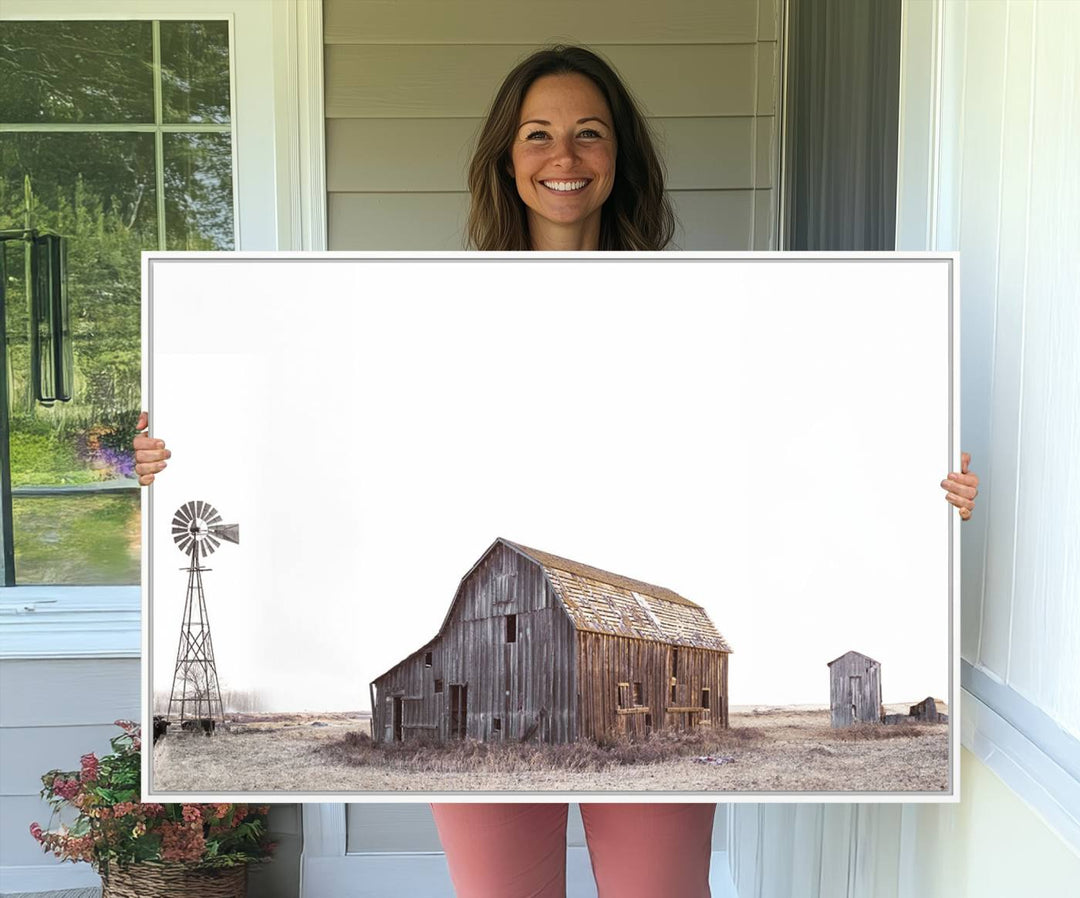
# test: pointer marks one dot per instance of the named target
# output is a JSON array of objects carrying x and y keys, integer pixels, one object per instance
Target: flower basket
[
  {"x": 174, "y": 881},
  {"x": 149, "y": 850}
]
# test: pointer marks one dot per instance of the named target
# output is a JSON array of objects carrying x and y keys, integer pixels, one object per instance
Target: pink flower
[
  {"x": 65, "y": 788},
  {"x": 192, "y": 813},
  {"x": 36, "y": 831},
  {"x": 89, "y": 768}
]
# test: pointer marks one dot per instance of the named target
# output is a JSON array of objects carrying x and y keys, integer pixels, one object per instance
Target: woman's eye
[
  {"x": 589, "y": 132},
  {"x": 536, "y": 135}
]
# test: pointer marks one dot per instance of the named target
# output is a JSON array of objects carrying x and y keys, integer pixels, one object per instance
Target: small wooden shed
[
  {"x": 535, "y": 646},
  {"x": 854, "y": 689}
]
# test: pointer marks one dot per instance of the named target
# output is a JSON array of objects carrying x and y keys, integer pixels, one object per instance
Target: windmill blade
[
  {"x": 199, "y": 507},
  {"x": 212, "y": 542},
  {"x": 212, "y": 515},
  {"x": 185, "y": 543},
  {"x": 228, "y": 532},
  {"x": 186, "y": 512}
]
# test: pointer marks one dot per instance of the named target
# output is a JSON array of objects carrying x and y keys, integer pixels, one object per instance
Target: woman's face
[{"x": 563, "y": 154}]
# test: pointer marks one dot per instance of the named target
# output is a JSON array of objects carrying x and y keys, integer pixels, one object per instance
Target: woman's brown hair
[{"x": 636, "y": 216}]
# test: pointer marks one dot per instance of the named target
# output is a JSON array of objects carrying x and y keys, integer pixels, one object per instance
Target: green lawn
[{"x": 83, "y": 539}]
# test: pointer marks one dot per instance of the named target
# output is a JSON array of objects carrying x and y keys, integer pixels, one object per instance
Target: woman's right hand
[{"x": 150, "y": 453}]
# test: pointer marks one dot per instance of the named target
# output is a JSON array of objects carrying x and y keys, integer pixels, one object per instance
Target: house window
[
  {"x": 427, "y": 659},
  {"x": 122, "y": 142},
  {"x": 511, "y": 628},
  {"x": 438, "y": 686}
]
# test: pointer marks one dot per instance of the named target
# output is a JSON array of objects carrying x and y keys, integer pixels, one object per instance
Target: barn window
[
  {"x": 674, "y": 662},
  {"x": 705, "y": 698},
  {"x": 427, "y": 659},
  {"x": 639, "y": 695},
  {"x": 496, "y": 724},
  {"x": 673, "y": 693},
  {"x": 438, "y": 686},
  {"x": 511, "y": 628},
  {"x": 624, "y": 695}
]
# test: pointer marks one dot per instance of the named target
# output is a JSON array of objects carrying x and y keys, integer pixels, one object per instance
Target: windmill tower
[{"x": 198, "y": 531}]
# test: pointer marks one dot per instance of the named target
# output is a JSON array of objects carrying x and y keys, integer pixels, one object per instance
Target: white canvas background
[{"x": 764, "y": 437}]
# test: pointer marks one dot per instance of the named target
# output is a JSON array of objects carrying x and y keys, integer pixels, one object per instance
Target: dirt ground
[{"x": 765, "y": 750}]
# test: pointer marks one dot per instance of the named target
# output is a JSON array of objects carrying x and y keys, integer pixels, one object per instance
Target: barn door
[
  {"x": 856, "y": 699},
  {"x": 397, "y": 717},
  {"x": 459, "y": 709}
]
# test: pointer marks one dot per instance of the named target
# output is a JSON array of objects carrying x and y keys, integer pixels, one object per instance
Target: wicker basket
[{"x": 174, "y": 881}]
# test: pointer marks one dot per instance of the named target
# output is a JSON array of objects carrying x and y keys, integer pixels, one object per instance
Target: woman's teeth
[{"x": 564, "y": 185}]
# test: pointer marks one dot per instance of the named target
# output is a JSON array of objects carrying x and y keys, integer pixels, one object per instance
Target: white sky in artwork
[{"x": 766, "y": 438}]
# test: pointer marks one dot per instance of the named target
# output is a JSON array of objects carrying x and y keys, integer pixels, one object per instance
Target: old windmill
[{"x": 198, "y": 531}]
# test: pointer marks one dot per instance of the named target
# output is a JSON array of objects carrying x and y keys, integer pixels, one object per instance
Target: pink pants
[{"x": 519, "y": 850}]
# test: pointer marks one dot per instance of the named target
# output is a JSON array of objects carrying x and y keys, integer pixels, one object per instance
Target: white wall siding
[
  {"x": 408, "y": 83},
  {"x": 54, "y": 711},
  {"x": 1008, "y": 197}
]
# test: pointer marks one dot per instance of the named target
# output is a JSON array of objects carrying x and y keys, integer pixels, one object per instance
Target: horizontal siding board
[
  {"x": 765, "y": 215},
  {"x": 17, "y": 846},
  {"x": 460, "y": 80},
  {"x": 768, "y": 27},
  {"x": 68, "y": 692},
  {"x": 397, "y": 221},
  {"x": 768, "y": 78},
  {"x": 765, "y": 152},
  {"x": 28, "y": 752},
  {"x": 432, "y": 154},
  {"x": 713, "y": 219},
  {"x": 535, "y": 24}
]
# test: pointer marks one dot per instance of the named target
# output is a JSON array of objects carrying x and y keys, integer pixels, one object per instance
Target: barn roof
[{"x": 609, "y": 603}]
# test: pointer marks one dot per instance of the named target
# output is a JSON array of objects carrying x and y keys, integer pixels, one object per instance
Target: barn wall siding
[
  {"x": 525, "y": 684},
  {"x": 605, "y": 661}
]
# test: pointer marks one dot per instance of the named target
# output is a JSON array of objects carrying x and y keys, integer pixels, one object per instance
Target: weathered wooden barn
[
  {"x": 854, "y": 689},
  {"x": 535, "y": 646}
]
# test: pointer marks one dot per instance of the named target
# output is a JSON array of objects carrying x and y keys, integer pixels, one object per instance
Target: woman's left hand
[{"x": 962, "y": 488}]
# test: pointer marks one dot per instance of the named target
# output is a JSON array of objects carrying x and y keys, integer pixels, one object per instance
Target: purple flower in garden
[{"x": 121, "y": 462}]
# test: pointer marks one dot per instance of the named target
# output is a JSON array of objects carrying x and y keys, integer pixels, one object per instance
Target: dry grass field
[{"x": 764, "y": 750}]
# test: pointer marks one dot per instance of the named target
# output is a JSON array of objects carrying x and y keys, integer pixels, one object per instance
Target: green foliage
[{"x": 114, "y": 827}]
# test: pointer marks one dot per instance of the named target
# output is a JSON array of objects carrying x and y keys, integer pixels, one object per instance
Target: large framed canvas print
[{"x": 494, "y": 526}]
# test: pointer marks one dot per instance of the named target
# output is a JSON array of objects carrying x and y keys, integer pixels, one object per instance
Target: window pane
[
  {"x": 76, "y": 72},
  {"x": 98, "y": 191},
  {"x": 198, "y": 192},
  {"x": 195, "y": 71},
  {"x": 83, "y": 540}
]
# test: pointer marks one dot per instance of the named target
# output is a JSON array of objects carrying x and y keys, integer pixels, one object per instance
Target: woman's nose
[{"x": 564, "y": 150}]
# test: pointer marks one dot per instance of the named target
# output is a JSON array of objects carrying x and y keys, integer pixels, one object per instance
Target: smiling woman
[{"x": 565, "y": 161}]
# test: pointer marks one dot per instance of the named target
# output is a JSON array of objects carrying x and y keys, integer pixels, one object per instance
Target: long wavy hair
[{"x": 637, "y": 214}]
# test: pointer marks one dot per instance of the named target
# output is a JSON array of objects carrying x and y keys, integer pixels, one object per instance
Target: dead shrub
[{"x": 470, "y": 755}]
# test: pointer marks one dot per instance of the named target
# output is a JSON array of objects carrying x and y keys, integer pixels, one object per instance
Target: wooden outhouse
[
  {"x": 535, "y": 646},
  {"x": 854, "y": 689}
]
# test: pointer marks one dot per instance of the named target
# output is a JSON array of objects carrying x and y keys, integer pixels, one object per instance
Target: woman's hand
[
  {"x": 150, "y": 453},
  {"x": 961, "y": 489}
]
